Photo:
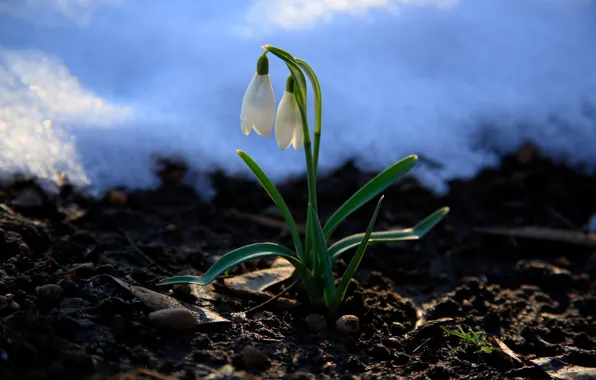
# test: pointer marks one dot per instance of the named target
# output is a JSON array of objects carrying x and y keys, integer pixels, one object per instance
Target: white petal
[
  {"x": 298, "y": 137},
  {"x": 285, "y": 120},
  {"x": 266, "y": 105},
  {"x": 258, "y": 106},
  {"x": 247, "y": 111}
]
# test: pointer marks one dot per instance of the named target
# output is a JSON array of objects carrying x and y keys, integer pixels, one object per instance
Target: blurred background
[{"x": 98, "y": 89}]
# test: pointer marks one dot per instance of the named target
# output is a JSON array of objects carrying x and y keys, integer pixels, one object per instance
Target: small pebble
[
  {"x": 74, "y": 303},
  {"x": 20, "y": 294},
  {"x": 116, "y": 198},
  {"x": 153, "y": 363},
  {"x": 25, "y": 250},
  {"x": 28, "y": 198},
  {"x": 171, "y": 173},
  {"x": 174, "y": 319},
  {"x": 23, "y": 354},
  {"x": 397, "y": 328},
  {"x": 253, "y": 358},
  {"x": 27, "y": 304},
  {"x": 172, "y": 232},
  {"x": 78, "y": 362},
  {"x": 106, "y": 269},
  {"x": 114, "y": 305},
  {"x": 183, "y": 289},
  {"x": 299, "y": 376},
  {"x": 49, "y": 292},
  {"x": 348, "y": 324},
  {"x": 140, "y": 274},
  {"x": 316, "y": 322},
  {"x": 69, "y": 286},
  {"x": 15, "y": 306},
  {"x": 119, "y": 324},
  {"x": 526, "y": 154},
  {"x": 84, "y": 270},
  {"x": 380, "y": 352},
  {"x": 392, "y": 342},
  {"x": 400, "y": 358}
]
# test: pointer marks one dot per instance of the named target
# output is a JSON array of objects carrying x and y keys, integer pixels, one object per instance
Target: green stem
[
  {"x": 310, "y": 178},
  {"x": 300, "y": 80},
  {"x": 318, "y": 109},
  {"x": 317, "y": 142},
  {"x": 310, "y": 169}
]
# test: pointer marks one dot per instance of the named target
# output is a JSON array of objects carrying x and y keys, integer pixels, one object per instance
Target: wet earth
[{"x": 511, "y": 261}]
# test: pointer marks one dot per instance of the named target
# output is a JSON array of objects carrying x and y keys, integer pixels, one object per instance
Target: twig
[
  {"x": 272, "y": 298},
  {"x": 421, "y": 345},
  {"x": 544, "y": 234},
  {"x": 140, "y": 251},
  {"x": 7, "y": 209},
  {"x": 560, "y": 216},
  {"x": 142, "y": 373},
  {"x": 266, "y": 221}
]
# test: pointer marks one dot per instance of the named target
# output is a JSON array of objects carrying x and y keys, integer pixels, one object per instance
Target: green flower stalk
[{"x": 312, "y": 257}]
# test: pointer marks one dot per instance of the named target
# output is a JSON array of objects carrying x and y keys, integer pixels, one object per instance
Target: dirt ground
[{"x": 530, "y": 291}]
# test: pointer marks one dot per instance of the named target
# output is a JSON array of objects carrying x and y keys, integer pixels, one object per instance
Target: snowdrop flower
[
  {"x": 288, "y": 123},
  {"x": 258, "y": 105}
]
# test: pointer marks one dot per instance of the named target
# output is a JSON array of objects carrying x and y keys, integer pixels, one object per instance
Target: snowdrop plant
[{"x": 313, "y": 255}]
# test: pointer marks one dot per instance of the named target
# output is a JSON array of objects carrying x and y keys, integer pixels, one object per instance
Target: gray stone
[
  {"x": 49, "y": 292},
  {"x": 348, "y": 324},
  {"x": 316, "y": 322},
  {"x": 179, "y": 319}
]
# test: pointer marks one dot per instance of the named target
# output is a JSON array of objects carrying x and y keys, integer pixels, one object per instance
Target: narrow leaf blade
[
  {"x": 276, "y": 197},
  {"x": 373, "y": 188},
  {"x": 413, "y": 233},
  {"x": 323, "y": 258},
  {"x": 241, "y": 255},
  {"x": 238, "y": 256},
  {"x": 355, "y": 262},
  {"x": 430, "y": 221}
]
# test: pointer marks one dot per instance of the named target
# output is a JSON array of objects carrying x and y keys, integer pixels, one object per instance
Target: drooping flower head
[
  {"x": 258, "y": 105},
  {"x": 288, "y": 122}
]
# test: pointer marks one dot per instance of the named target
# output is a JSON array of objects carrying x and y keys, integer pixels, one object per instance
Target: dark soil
[{"x": 535, "y": 295}]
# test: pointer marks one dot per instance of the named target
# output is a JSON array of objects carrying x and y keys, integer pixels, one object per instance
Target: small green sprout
[
  {"x": 475, "y": 338},
  {"x": 312, "y": 257}
]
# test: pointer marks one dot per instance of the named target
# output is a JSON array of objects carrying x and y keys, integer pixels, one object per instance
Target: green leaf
[
  {"x": 430, "y": 221},
  {"x": 246, "y": 253},
  {"x": 277, "y": 199},
  {"x": 355, "y": 262},
  {"x": 373, "y": 188},
  {"x": 413, "y": 233},
  {"x": 320, "y": 247},
  {"x": 459, "y": 334}
]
